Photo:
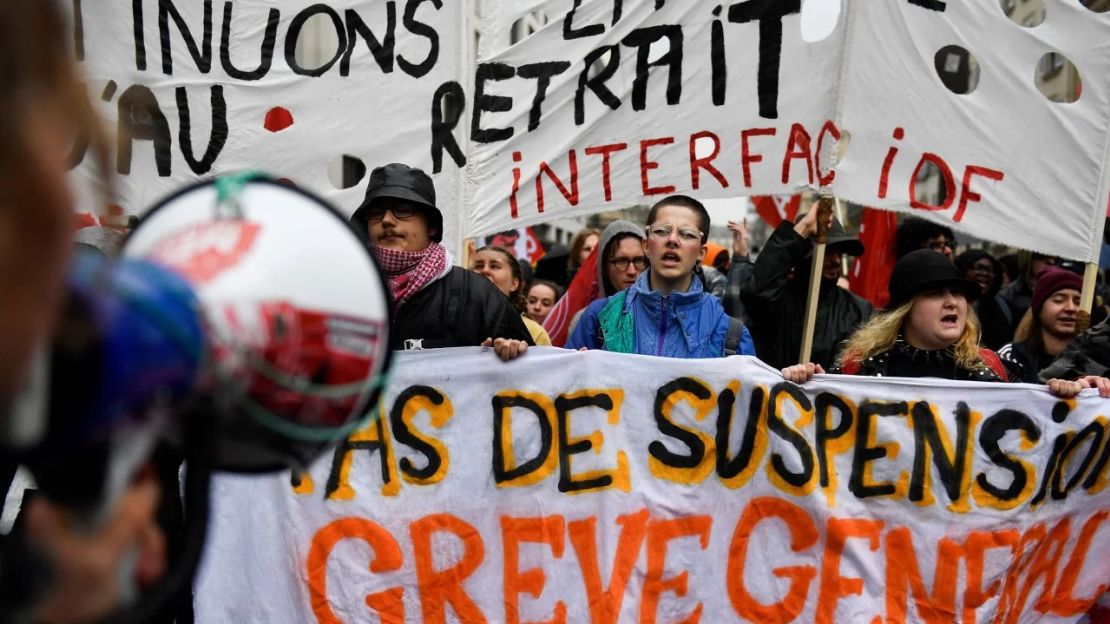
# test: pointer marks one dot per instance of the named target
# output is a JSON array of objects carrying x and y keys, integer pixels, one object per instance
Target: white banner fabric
[
  {"x": 192, "y": 89},
  {"x": 596, "y": 487},
  {"x": 1019, "y": 169},
  {"x": 721, "y": 100}
]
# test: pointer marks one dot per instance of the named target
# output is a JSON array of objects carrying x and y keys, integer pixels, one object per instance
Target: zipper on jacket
[{"x": 662, "y": 328}]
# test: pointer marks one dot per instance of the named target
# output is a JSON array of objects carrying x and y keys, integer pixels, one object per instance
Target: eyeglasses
[
  {"x": 401, "y": 211},
  {"x": 663, "y": 232},
  {"x": 940, "y": 244},
  {"x": 621, "y": 264}
]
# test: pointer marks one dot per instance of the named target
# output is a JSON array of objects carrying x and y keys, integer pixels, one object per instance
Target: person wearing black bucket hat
[
  {"x": 436, "y": 304},
  {"x": 928, "y": 330},
  {"x": 774, "y": 294}
]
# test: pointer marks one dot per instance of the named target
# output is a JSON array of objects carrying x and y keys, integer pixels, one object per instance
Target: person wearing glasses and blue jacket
[{"x": 666, "y": 311}]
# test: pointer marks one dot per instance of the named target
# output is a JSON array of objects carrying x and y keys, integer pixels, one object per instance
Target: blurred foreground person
[{"x": 42, "y": 108}]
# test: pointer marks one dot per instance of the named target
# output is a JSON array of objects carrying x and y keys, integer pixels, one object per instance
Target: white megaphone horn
[{"x": 296, "y": 313}]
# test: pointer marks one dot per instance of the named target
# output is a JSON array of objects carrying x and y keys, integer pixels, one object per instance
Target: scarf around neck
[{"x": 407, "y": 272}]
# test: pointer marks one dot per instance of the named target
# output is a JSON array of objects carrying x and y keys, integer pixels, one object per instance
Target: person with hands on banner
[
  {"x": 501, "y": 267},
  {"x": 1048, "y": 327},
  {"x": 435, "y": 304},
  {"x": 929, "y": 330},
  {"x": 774, "y": 294},
  {"x": 666, "y": 312}
]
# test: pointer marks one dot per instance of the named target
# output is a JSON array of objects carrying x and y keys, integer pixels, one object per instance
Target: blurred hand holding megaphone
[{"x": 246, "y": 319}]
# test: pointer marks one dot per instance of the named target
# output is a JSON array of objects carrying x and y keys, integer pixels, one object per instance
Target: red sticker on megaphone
[{"x": 203, "y": 252}]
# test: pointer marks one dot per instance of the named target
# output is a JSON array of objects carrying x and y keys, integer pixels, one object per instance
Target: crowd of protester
[{"x": 660, "y": 288}]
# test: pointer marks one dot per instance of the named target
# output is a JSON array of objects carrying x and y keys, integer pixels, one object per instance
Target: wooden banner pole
[
  {"x": 1087, "y": 298},
  {"x": 824, "y": 209}
]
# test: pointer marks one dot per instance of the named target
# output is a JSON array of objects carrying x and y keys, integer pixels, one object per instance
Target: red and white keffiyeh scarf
[{"x": 407, "y": 272}]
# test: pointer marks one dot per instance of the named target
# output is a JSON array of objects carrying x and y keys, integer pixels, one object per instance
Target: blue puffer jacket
[{"x": 689, "y": 324}]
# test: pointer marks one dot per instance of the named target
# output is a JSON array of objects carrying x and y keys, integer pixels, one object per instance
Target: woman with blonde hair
[{"x": 929, "y": 330}]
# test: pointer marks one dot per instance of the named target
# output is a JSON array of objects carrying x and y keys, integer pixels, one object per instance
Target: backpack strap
[{"x": 733, "y": 336}]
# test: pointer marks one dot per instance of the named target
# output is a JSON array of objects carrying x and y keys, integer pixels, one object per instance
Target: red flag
[
  {"x": 582, "y": 290},
  {"x": 774, "y": 209},
  {"x": 871, "y": 273}
]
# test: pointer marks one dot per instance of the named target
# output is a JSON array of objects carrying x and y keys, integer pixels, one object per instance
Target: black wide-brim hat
[
  {"x": 925, "y": 270},
  {"x": 400, "y": 181},
  {"x": 839, "y": 240}
]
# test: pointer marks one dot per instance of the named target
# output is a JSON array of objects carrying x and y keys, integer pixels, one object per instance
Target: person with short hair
[
  {"x": 434, "y": 303},
  {"x": 1049, "y": 327},
  {"x": 499, "y": 266},
  {"x": 666, "y": 311}
]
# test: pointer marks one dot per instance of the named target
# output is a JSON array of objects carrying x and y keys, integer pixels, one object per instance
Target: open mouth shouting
[
  {"x": 670, "y": 259},
  {"x": 950, "y": 320}
]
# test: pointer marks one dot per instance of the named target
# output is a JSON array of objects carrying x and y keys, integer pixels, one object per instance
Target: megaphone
[
  {"x": 296, "y": 314},
  {"x": 245, "y": 317}
]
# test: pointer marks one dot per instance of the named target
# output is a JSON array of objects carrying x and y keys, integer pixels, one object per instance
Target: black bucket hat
[
  {"x": 400, "y": 181},
  {"x": 839, "y": 241},
  {"x": 924, "y": 270}
]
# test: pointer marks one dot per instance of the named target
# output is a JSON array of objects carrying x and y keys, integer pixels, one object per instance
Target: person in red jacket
[{"x": 928, "y": 330}]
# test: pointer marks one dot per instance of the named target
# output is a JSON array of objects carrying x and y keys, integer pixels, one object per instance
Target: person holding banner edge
[
  {"x": 929, "y": 330},
  {"x": 666, "y": 312},
  {"x": 437, "y": 304}
]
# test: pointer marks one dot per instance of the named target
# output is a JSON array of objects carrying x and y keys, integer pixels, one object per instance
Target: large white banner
[
  {"x": 616, "y": 103},
  {"x": 597, "y": 487},
  {"x": 1018, "y": 168},
  {"x": 195, "y": 88}
]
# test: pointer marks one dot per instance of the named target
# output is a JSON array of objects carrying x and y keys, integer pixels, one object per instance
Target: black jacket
[
  {"x": 776, "y": 304},
  {"x": 460, "y": 309}
]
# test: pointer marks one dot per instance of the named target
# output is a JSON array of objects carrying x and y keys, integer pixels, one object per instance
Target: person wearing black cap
[
  {"x": 774, "y": 294},
  {"x": 929, "y": 330},
  {"x": 435, "y": 304}
]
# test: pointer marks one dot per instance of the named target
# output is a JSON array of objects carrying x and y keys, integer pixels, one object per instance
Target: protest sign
[
  {"x": 192, "y": 89},
  {"x": 1017, "y": 168},
  {"x": 597, "y": 487},
  {"x": 620, "y": 102}
]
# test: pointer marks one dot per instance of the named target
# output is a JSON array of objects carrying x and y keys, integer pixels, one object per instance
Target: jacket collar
[{"x": 680, "y": 305}]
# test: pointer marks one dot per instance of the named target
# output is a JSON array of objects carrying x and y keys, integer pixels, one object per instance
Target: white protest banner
[
  {"x": 192, "y": 89},
  {"x": 1018, "y": 168},
  {"x": 615, "y": 103},
  {"x": 597, "y": 487}
]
